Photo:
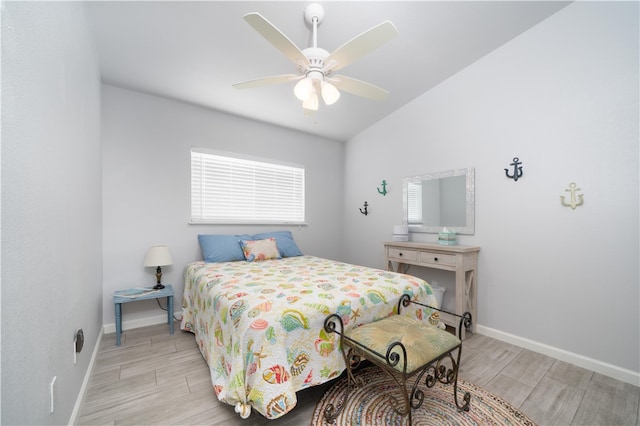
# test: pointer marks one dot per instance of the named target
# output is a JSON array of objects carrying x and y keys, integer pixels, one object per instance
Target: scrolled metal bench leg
[
  {"x": 466, "y": 399},
  {"x": 401, "y": 407},
  {"x": 417, "y": 395},
  {"x": 438, "y": 372},
  {"x": 331, "y": 412},
  {"x": 351, "y": 359}
]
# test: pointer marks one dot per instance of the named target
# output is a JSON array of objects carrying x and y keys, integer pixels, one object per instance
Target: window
[
  {"x": 230, "y": 188},
  {"x": 414, "y": 202}
]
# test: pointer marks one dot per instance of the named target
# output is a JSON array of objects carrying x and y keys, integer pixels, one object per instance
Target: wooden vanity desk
[{"x": 461, "y": 260}]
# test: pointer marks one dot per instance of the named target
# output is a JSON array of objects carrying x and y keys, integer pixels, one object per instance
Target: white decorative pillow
[{"x": 257, "y": 250}]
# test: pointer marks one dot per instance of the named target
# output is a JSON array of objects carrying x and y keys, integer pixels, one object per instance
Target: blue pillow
[
  {"x": 286, "y": 246},
  {"x": 222, "y": 248}
]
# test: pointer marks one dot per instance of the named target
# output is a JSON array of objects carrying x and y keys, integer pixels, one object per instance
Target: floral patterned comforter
[{"x": 259, "y": 325}]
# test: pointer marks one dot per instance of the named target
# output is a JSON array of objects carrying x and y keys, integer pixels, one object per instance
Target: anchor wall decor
[
  {"x": 517, "y": 169},
  {"x": 365, "y": 212},
  {"x": 384, "y": 188},
  {"x": 575, "y": 202}
]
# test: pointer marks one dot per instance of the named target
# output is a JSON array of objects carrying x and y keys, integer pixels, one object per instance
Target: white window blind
[
  {"x": 232, "y": 189},
  {"x": 414, "y": 202}
]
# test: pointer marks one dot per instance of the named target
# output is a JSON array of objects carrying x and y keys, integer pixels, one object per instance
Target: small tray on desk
[{"x": 134, "y": 293}]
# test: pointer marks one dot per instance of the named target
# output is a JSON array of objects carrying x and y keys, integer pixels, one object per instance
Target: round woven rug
[{"x": 369, "y": 405}]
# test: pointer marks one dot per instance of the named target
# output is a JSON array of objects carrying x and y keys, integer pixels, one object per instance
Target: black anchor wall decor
[
  {"x": 365, "y": 212},
  {"x": 517, "y": 169}
]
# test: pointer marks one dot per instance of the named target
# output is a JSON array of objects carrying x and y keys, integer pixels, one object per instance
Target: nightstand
[{"x": 142, "y": 293}]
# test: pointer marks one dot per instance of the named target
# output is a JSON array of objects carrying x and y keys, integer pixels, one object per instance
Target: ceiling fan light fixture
[
  {"x": 311, "y": 103},
  {"x": 315, "y": 64},
  {"x": 330, "y": 94},
  {"x": 303, "y": 89}
]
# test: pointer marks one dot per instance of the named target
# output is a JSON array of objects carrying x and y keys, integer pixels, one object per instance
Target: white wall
[
  {"x": 563, "y": 97},
  {"x": 51, "y": 207},
  {"x": 146, "y": 192}
]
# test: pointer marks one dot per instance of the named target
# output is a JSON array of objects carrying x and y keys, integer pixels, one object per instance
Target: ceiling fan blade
[
  {"x": 359, "y": 87},
  {"x": 265, "y": 81},
  {"x": 274, "y": 36},
  {"x": 361, "y": 45}
]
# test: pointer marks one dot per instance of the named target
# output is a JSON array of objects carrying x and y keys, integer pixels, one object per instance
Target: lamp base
[{"x": 158, "y": 277}]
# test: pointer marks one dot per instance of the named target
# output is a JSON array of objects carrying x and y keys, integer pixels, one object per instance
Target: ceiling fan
[{"x": 316, "y": 66}]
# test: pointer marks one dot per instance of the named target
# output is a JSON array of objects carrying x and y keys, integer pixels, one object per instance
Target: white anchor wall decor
[{"x": 575, "y": 202}]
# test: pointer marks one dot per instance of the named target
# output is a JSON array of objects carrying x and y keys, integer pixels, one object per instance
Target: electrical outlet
[
  {"x": 79, "y": 340},
  {"x": 51, "y": 389}
]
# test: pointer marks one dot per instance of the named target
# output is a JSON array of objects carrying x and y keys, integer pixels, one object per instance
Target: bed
[{"x": 259, "y": 324}]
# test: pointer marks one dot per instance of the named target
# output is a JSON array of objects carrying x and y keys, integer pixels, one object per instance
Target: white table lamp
[{"x": 158, "y": 256}]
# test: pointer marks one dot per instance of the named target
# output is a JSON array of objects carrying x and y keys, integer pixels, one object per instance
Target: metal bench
[{"x": 403, "y": 347}]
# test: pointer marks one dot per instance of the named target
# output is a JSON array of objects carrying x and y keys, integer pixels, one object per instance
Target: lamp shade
[
  {"x": 330, "y": 93},
  {"x": 311, "y": 103},
  {"x": 158, "y": 256},
  {"x": 303, "y": 89}
]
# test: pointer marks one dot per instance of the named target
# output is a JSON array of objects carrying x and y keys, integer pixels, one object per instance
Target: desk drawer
[
  {"x": 438, "y": 258},
  {"x": 409, "y": 255}
]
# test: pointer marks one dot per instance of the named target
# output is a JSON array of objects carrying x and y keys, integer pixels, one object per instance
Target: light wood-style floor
[{"x": 155, "y": 378}]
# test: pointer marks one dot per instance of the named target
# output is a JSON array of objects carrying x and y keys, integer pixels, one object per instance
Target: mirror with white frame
[{"x": 434, "y": 201}]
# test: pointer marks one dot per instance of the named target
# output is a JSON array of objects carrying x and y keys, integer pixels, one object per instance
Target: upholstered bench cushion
[{"x": 423, "y": 342}]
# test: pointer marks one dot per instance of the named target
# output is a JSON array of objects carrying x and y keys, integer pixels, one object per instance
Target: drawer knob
[
  {"x": 400, "y": 253},
  {"x": 435, "y": 259}
]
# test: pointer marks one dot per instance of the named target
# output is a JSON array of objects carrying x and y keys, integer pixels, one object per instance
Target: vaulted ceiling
[{"x": 195, "y": 52}]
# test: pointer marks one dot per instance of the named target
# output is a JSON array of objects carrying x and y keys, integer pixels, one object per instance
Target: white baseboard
[
  {"x": 627, "y": 376},
  {"x": 83, "y": 389},
  {"x": 140, "y": 322}
]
